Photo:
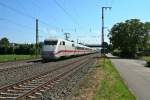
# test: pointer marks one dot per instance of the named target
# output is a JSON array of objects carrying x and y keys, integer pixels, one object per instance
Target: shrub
[
  {"x": 148, "y": 63},
  {"x": 116, "y": 52}
]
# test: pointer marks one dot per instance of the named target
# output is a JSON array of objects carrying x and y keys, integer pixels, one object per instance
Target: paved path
[{"x": 135, "y": 75}]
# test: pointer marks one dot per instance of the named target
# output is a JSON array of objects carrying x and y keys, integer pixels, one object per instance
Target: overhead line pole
[
  {"x": 102, "y": 41},
  {"x": 103, "y": 8},
  {"x": 102, "y": 26},
  {"x": 37, "y": 39}
]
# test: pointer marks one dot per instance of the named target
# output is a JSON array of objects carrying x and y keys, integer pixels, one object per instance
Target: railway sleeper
[
  {"x": 38, "y": 93},
  {"x": 8, "y": 98},
  {"x": 16, "y": 91},
  {"x": 20, "y": 88},
  {"x": 29, "y": 86},
  {"x": 42, "y": 90},
  {"x": 33, "y": 84},
  {"x": 37, "y": 82},
  {"x": 5, "y": 94},
  {"x": 32, "y": 97}
]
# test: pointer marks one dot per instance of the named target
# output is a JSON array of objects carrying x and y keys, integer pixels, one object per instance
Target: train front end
[{"x": 48, "y": 49}]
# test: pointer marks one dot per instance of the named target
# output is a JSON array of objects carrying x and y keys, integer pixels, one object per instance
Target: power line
[
  {"x": 34, "y": 18},
  {"x": 48, "y": 24},
  {"x": 36, "y": 4},
  {"x": 24, "y": 14},
  {"x": 75, "y": 11},
  {"x": 23, "y": 8},
  {"x": 18, "y": 24},
  {"x": 65, "y": 11},
  {"x": 21, "y": 5},
  {"x": 17, "y": 11}
]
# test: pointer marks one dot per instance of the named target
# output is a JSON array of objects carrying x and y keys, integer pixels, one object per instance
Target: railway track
[
  {"x": 22, "y": 63},
  {"x": 14, "y": 64},
  {"x": 34, "y": 87},
  {"x": 26, "y": 60}
]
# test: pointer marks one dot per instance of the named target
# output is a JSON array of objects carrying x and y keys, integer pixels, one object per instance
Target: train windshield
[{"x": 50, "y": 42}]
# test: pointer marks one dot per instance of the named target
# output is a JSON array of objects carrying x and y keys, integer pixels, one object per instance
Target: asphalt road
[{"x": 135, "y": 75}]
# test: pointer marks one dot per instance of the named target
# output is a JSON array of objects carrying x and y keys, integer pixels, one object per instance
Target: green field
[
  {"x": 112, "y": 86},
  {"x": 4, "y": 58}
]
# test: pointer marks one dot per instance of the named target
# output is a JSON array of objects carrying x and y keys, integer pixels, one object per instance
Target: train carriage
[{"x": 55, "y": 48}]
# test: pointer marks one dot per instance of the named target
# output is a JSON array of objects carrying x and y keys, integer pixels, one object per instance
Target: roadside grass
[
  {"x": 103, "y": 83},
  {"x": 146, "y": 58},
  {"x": 87, "y": 87},
  {"x": 4, "y": 58},
  {"x": 112, "y": 86}
]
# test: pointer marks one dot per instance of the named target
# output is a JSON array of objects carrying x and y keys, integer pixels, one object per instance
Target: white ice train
[{"x": 56, "y": 48}]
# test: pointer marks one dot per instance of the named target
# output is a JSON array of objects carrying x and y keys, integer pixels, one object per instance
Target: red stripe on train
[{"x": 69, "y": 51}]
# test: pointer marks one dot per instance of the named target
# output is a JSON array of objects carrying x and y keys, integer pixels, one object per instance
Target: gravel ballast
[
  {"x": 65, "y": 88},
  {"x": 15, "y": 74}
]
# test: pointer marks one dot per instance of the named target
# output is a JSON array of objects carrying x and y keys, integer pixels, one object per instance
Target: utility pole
[
  {"x": 102, "y": 41},
  {"x": 67, "y": 36},
  {"x": 37, "y": 38},
  {"x": 103, "y": 8}
]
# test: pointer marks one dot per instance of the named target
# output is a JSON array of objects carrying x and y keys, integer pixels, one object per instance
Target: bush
[
  {"x": 127, "y": 54},
  {"x": 148, "y": 63},
  {"x": 19, "y": 49},
  {"x": 116, "y": 52},
  {"x": 140, "y": 53}
]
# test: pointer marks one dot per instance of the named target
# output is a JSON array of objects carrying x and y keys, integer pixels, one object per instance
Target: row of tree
[
  {"x": 130, "y": 37},
  {"x": 13, "y": 48}
]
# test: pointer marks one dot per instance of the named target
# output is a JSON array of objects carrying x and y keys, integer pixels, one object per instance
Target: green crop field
[{"x": 4, "y": 58}]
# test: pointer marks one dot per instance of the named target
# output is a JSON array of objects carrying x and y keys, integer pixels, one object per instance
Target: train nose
[
  {"x": 48, "y": 55},
  {"x": 51, "y": 54}
]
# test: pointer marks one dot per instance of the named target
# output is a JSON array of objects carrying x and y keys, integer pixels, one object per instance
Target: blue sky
[{"x": 17, "y": 18}]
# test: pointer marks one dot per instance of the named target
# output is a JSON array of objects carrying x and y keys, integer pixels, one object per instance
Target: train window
[
  {"x": 80, "y": 48},
  {"x": 63, "y": 43},
  {"x": 50, "y": 42},
  {"x": 72, "y": 45}
]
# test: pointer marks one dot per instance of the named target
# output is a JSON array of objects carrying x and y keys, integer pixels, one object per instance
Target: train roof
[{"x": 59, "y": 39}]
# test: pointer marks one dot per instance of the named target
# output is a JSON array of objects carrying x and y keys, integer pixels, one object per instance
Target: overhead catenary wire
[
  {"x": 34, "y": 18},
  {"x": 65, "y": 11},
  {"x": 17, "y": 11},
  {"x": 17, "y": 24},
  {"x": 25, "y": 14},
  {"x": 74, "y": 9},
  {"x": 37, "y": 6}
]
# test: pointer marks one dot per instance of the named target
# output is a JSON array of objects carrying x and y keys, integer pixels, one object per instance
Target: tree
[
  {"x": 129, "y": 36},
  {"x": 4, "y": 43},
  {"x": 147, "y": 26}
]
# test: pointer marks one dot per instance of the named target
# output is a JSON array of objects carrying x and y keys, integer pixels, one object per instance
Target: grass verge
[
  {"x": 4, "y": 58},
  {"x": 103, "y": 83},
  {"x": 147, "y": 59},
  {"x": 88, "y": 86},
  {"x": 112, "y": 87}
]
